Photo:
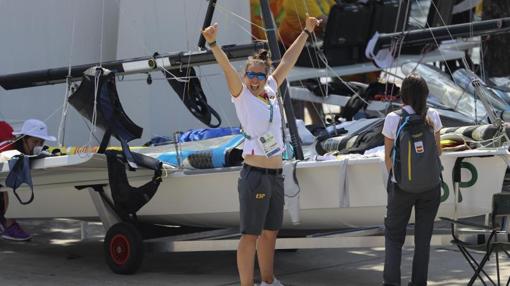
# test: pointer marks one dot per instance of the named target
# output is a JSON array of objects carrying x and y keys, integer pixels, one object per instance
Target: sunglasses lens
[{"x": 259, "y": 75}]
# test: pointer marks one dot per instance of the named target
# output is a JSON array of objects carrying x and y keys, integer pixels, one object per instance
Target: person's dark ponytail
[{"x": 414, "y": 92}]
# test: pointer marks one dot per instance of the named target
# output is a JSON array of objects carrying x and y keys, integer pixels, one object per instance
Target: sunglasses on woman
[{"x": 259, "y": 75}]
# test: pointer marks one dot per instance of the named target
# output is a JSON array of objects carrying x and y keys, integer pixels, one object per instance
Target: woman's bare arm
[
  {"x": 234, "y": 83},
  {"x": 291, "y": 55},
  {"x": 437, "y": 136},
  {"x": 388, "y": 146}
]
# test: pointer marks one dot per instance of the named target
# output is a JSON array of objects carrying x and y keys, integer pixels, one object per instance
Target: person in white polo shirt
[
  {"x": 260, "y": 185},
  {"x": 414, "y": 93},
  {"x": 28, "y": 141}
]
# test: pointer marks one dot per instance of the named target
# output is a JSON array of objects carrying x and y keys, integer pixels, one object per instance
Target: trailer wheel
[{"x": 123, "y": 247}]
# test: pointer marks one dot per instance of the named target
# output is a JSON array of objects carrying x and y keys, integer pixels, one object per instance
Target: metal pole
[
  {"x": 126, "y": 66},
  {"x": 421, "y": 36},
  {"x": 207, "y": 22},
  {"x": 276, "y": 56}
]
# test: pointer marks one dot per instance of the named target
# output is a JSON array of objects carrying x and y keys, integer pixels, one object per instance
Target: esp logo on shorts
[{"x": 260, "y": 196}]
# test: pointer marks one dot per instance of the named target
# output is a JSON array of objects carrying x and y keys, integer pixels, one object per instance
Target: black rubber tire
[{"x": 123, "y": 248}]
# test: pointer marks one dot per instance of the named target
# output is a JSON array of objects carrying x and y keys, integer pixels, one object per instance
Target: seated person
[{"x": 33, "y": 134}]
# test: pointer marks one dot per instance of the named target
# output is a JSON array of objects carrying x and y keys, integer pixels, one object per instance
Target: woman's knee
[{"x": 269, "y": 234}]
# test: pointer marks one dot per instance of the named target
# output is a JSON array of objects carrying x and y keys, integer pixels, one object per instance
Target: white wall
[
  {"x": 171, "y": 26},
  {"x": 37, "y": 34}
]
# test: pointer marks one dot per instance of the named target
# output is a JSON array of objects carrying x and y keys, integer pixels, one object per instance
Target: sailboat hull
[{"x": 332, "y": 194}]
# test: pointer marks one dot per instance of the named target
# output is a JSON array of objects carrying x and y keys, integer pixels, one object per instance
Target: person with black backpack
[{"x": 412, "y": 149}]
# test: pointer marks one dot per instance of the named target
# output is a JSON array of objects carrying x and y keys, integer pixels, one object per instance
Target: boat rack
[
  {"x": 228, "y": 239},
  {"x": 125, "y": 243}
]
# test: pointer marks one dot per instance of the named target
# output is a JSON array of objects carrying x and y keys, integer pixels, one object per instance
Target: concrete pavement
[{"x": 56, "y": 256}]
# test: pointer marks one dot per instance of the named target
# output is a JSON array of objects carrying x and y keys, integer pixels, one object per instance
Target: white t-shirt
[
  {"x": 254, "y": 116},
  {"x": 392, "y": 120}
]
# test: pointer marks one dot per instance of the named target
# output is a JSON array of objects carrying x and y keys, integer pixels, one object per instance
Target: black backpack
[{"x": 416, "y": 163}]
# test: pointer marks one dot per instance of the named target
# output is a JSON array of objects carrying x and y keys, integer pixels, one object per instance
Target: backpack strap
[{"x": 404, "y": 117}]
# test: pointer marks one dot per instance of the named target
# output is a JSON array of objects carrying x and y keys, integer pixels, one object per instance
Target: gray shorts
[{"x": 261, "y": 199}]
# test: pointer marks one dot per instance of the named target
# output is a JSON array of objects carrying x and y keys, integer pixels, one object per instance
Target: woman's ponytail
[
  {"x": 262, "y": 56},
  {"x": 414, "y": 92}
]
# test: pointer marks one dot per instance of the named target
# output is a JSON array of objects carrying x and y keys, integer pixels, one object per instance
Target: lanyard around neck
[{"x": 271, "y": 110}]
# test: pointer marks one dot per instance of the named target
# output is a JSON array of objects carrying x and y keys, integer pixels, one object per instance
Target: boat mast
[
  {"x": 207, "y": 22},
  {"x": 268, "y": 19}
]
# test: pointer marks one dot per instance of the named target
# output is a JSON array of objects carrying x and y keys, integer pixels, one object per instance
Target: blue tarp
[{"x": 207, "y": 133}]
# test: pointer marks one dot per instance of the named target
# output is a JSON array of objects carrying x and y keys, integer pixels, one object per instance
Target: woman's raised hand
[
  {"x": 311, "y": 23},
  {"x": 210, "y": 33}
]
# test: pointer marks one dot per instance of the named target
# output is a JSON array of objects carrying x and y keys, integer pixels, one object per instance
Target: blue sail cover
[
  {"x": 206, "y": 133},
  {"x": 213, "y": 157}
]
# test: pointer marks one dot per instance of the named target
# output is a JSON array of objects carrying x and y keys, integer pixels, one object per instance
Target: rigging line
[
  {"x": 173, "y": 76},
  {"x": 464, "y": 61},
  {"x": 398, "y": 15},
  {"x": 249, "y": 33},
  {"x": 324, "y": 60},
  {"x": 97, "y": 76},
  {"x": 471, "y": 27},
  {"x": 65, "y": 109},
  {"x": 323, "y": 94},
  {"x": 463, "y": 57},
  {"x": 434, "y": 38},
  {"x": 313, "y": 39},
  {"x": 302, "y": 27},
  {"x": 321, "y": 56},
  {"x": 181, "y": 78},
  {"x": 321, "y": 114},
  {"x": 228, "y": 11},
  {"x": 483, "y": 48},
  {"x": 85, "y": 151},
  {"x": 102, "y": 36},
  {"x": 63, "y": 117},
  {"x": 395, "y": 51},
  {"x": 186, "y": 25},
  {"x": 221, "y": 107},
  {"x": 44, "y": 120},
  {"x": 208, "y": 85}
]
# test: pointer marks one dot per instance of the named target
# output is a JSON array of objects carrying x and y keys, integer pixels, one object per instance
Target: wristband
[
  {"x": 308, "y": 33},
  {"x": 212, "y": 44}
]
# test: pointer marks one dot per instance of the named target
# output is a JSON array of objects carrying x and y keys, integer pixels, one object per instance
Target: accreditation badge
[{"x": 268, "y": 144}]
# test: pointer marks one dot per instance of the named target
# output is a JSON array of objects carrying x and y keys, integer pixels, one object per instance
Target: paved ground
[{"x": 55, "y": 256}]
